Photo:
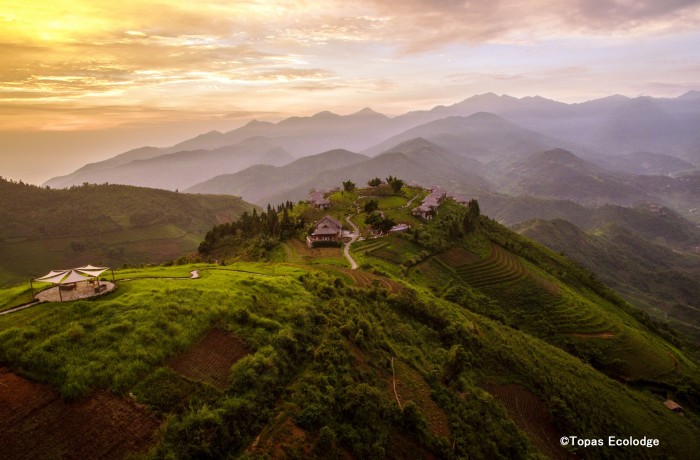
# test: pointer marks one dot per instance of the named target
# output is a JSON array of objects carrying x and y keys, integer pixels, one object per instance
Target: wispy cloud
[{"x": 167, "y": 54}]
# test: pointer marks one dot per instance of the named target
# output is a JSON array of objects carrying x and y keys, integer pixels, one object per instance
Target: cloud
[
  {"x": 167, "y": 54},
  {"x": 423, "y": 25}
]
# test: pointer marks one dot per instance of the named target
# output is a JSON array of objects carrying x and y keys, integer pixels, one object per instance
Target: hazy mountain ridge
[
  {"x": 416, "y": 160},
  {"x": 180, "y": 169},
  {"x": 530, "y": 124}
]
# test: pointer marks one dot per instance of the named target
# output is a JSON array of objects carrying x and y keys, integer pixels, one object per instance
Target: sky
[{"x": 81, "y": 81}]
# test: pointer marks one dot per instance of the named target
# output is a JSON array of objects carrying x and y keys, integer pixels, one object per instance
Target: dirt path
[
  {"x": 411, "y": 200},
  {"x": 353, "y": 237}
]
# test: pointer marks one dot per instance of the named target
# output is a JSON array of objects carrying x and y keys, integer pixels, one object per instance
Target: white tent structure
[
  {"x": 91, "y": 271},
  {"x": 75, "y": 275},
  {"x": 51, "y": 275}
]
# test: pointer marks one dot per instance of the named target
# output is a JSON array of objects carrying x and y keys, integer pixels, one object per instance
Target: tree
[
  {"x": 371, "y": 206},
  {"x": 471, "y": 218},
  {"x": 396, "y": 185},
  {"x": 473, "y": 208},
  {"x": 374, "y": 182},
  {"x": 348, "y": 186}
]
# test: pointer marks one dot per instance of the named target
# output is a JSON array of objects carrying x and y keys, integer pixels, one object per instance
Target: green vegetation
[
  {"x": 105, "y": 224},
  {"x": 395, "y": 357},
  {"x": 664, "y": 283}
]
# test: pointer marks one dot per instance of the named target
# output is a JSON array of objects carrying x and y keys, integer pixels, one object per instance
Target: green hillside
[
  {"x": 457, "y": 339},
  {"x": 665, "y": 283},
  {"x": 111, "y": 225}
]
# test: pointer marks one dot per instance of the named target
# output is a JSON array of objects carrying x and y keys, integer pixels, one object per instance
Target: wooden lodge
[
  {"x": 318, "y": 201},
  {"x": 326, "y": 232}
]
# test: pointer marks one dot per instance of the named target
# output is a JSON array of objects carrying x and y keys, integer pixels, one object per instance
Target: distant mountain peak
[
  {"x": 692, "y": 94},
  {"x": 325, "y": 114},
  {"x": 368, "y": 112},
  {"x": 485, "y": 116},
  {"x": 257, "y": 123}
]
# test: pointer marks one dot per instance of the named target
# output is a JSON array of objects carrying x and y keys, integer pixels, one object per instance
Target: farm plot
[
  {"x": 211, "y": 358},
  {"x": 297, "y": 251},
  {"x": 500, "y": 267},
  {"x": 411, "y": 386},
  {"x": 36, "y": 423},
  {"x": 363, "y": 279},
  {"x": 458, "y": 256},
  {"x": 530, "y": 415}
]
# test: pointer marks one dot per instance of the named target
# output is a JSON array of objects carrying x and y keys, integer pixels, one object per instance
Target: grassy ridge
[{"x": 105, "y": 224}]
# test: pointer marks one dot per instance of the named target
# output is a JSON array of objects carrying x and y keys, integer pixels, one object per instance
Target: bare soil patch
[
  {"x": 210, "y": 359},
  {"x": 594, "y": 335},
  {"x": 529, "y": 413},
  {"x": 36, "y": 423},
  {"x": 411, "y": 386},
  {"x": 282, "y": 438},
  {"x": 402, "y": 447}
]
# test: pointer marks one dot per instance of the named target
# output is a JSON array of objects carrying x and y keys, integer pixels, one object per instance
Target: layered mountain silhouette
[
  {"x": 417, "y": 160},
  {"x": 614, "y": 150}
]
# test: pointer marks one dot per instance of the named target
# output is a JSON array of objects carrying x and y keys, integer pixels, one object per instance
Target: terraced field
[
  {"x": 500, "y": 267},
  {"x": 363, "y": 279},
  {"x": 530, "y": 297},
  {"x": 530, "y": 414},
  {"x": 411, "y": 386},
  {"x": 457, "y": 257},
  {"x": 371, "y": 245}
]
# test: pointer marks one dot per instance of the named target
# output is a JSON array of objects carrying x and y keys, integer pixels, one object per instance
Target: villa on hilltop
[
  {"x": 428, "y": 208},
  {"x": 327, "y": 231},
  {"x": 318, "y": 201}
]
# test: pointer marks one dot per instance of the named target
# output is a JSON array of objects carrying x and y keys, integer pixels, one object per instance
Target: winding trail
[
  {"x": 353, "y": 237},
  {"x": 411, "y": 200}
]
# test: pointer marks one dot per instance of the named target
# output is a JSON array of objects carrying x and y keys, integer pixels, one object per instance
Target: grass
[
  {"x": 14, "y": 296},
  {"x": 299, "y": 326}
]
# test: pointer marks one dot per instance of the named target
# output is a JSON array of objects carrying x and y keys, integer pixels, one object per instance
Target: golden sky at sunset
[{"x": 158, "y": 66}]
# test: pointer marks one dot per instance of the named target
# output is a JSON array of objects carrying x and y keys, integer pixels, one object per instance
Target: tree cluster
[
  {"x": 379, "y": 222},
  {"x": 271, "y": 226},
  {"x": 395, "y": 183}
]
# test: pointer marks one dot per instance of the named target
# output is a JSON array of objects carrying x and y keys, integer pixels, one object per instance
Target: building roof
[
  {"x": 329, "y": 222},
  {"x": 325, "y": 230}
]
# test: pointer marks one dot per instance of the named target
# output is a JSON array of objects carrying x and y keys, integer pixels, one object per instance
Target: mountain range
[{"x": 487, "y": 127}]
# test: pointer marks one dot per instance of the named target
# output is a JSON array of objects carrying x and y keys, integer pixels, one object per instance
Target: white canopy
[
  {"x": 54, "y": 276},
  {"x": 89, "y": 267},
  {"x": 65, "y": 277},
  {"x": 94, "y": 273},
  {"x": 73, "y": 277}
]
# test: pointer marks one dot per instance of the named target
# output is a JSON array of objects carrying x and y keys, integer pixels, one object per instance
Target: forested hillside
[{"x": 41, "y": 228}]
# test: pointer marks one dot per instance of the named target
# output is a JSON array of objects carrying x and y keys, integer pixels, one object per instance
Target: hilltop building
[
  {"x": 327, "y": 231},
  {"x": 427, "y": 209},
  {"x": 318, "y": 201}
]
